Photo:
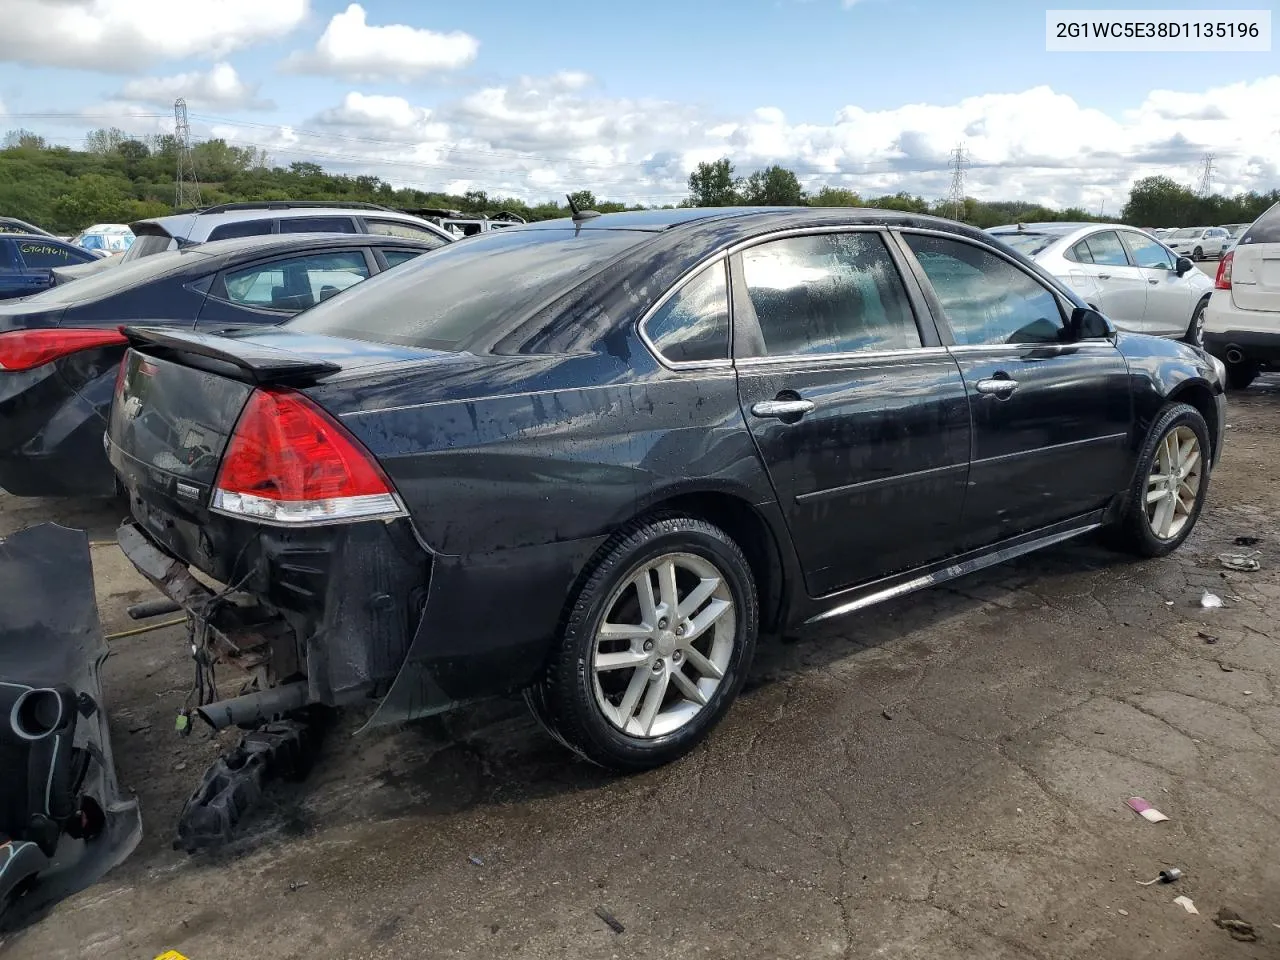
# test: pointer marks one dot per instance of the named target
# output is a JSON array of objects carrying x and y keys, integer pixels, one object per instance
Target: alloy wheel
[
  {"x": 664, "y": 645},
  {"x": 1173, "y": 485}
]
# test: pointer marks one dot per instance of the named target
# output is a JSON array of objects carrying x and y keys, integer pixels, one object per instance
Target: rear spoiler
[{"x": 257, "y": 363}]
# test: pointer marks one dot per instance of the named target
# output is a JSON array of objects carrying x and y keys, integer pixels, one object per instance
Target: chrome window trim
[
  {"x": 673, "y": 291},
  {"x": 857, "y": 356}
]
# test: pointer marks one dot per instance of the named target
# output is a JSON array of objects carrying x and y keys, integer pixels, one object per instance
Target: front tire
[
  {"x": 654, "y": 646},
  {"x": 1195, "y": 330},
  {"x": 1169, "y": 485}
]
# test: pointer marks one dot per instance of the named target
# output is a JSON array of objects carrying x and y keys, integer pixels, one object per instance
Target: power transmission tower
[
  {"x": 186, "y": 189},
  {"x": 955, "y": 199},
  {"x": 1206, "y": 176}
]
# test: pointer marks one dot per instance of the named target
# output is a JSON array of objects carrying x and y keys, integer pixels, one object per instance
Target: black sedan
[
  {"x": 593, "y": 459},
  {"x": 60, "y": 350}
]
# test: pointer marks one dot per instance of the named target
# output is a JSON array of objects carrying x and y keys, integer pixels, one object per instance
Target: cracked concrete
[{"x": 983, "y": 817}]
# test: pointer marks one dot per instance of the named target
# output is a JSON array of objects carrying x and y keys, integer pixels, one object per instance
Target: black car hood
[{"x": 63, "y": 820}]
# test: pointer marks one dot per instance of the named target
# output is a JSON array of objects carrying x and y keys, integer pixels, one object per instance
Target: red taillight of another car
[
  {"x": 1223, "y": 280},
  {"x": 290, "y": 463},
  {"x": 28, "y": 349}
]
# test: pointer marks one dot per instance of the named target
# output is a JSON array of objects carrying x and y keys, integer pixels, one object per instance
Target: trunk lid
[{"x": 178, "y": 398}]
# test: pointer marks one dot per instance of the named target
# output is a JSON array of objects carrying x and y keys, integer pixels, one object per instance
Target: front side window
[
  {"x": 1146, "y": 251},
  {"x": 409, "y": 231},
  {"x": 38, "y": 255},
  {"x": 693, "y": 325},
  {"x": 828, "y": 293},
  {"x": 987, "y": 299},
  {"x": 317, "y": 225},
  {"x": 1106, "y": 249},
  {"x": 296, "y": 283}
]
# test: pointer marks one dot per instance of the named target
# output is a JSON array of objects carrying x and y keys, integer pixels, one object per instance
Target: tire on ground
[
  {"x": 564, "y": 700},
  {"x": 1132, "y": 531}
]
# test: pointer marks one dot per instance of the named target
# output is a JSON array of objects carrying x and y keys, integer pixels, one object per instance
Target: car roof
[
  {"x": 747, "y": 219},
  {"x": 183, "y": 225},
  {"x": 271, "y": 242},
  {"x": 42, "y": 238}
]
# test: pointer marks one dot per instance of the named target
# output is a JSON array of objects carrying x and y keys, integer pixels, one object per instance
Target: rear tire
[
  {"x": 1169, "y": 485},
  {"x": 1240, "y": 375},
  {"x": 1195, "y": 331},
  {"x": 642, "y": 675},
  {"x": 1198, "y": 253}
]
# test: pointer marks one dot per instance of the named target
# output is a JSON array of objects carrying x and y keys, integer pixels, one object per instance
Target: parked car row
[
  {"x": 1141, "y": 284},
  {"x": 593, "y": 459}
]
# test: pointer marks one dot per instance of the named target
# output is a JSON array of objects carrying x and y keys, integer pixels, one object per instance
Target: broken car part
[{"x": 64, "y": 821}]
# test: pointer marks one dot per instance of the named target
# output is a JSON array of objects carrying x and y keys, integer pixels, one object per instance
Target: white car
[
  {"x": 1198, "y": 243},
  {"x": 1133, "y": 278},
  {"x": 1242, "y": 322},
  {"x": 105, "y": 239}
]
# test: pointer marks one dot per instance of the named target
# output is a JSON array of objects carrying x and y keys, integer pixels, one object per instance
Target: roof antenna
[{"x": 580, "y": 215}]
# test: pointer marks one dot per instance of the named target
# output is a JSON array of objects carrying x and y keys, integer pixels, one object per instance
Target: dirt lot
[{"x": 941, "y": 777}]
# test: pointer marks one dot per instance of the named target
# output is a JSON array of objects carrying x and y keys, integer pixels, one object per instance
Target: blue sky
[{"x": 529, "y": 98}]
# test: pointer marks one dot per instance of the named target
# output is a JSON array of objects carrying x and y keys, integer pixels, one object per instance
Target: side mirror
[
  {"x": 1088, "y": 324},
  {"x": 1184, "y": 265}
]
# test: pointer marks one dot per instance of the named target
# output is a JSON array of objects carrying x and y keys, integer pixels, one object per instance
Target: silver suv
[
  {"x": 260, "y": 217},
  {"x": 1242, "y": 321}
]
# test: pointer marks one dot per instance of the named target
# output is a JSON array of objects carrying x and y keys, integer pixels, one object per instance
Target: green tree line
[{"x": 117, "y": 178}]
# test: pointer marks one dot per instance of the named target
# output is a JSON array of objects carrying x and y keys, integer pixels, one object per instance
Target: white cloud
[
  {"x": 220, "y": 86},
  {"x": 350, "y": 48},
  {"x": 538, "y": 137},
  {"x": 124, "y": 36}
]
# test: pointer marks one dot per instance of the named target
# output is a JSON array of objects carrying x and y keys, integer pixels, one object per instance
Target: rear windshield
[
  {"x": 1027, "y": 244},
  {"x": 146, "y": 244},
  {"x": 1266, "y": 229},
  {"x": 114, "y": 279},
  {"x": 466, "y": 289}
]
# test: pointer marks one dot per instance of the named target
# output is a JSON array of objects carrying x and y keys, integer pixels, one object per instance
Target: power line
[
  {"x": 186, "y": 190},
  {"x": 955, "y": 199}
]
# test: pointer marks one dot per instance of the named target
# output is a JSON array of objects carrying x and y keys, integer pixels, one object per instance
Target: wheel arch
[
  {"x": 747, "y": 525},
  {"x": 1198, "y": 394}
]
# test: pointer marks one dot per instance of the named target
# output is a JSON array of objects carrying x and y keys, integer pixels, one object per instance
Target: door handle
[
  {"x": 1152, "y": 282},
  {"x": 997, "y": 387},
  {"x": 778, "y": 409},
  {"x": 1104, "y": 276}
]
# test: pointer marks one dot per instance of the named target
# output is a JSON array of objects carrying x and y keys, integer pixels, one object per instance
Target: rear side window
[
  {"x": 693, "y": 325},
  {"x": 1080, "y": 253},
  {"x": 317, "y": 225},
  {"x": 246, "y": 228},
  {"x": 38, "y": 255},
  {"x": 8, "y": 260},
  {"x": 986, "y": 298},
  {"x": 1266, "y": 229},
  {"x": 296, "y": 283},
  {"x": 396, "y": 257},
  {"x": 410, "y": 231},
  {"x": 828, "y": 293},
  {"x": 1106, "y": 249}
]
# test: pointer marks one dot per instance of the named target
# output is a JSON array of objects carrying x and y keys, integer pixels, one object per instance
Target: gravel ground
[{"x": 943, "y": 776}]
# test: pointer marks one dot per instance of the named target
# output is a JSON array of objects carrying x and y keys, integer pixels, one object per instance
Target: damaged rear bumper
[{"x": 64, "y": 821}]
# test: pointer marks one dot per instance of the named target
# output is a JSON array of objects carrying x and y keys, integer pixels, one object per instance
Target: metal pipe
[
  {"x": 153, "y": 608},
  {"x": 255, "y": 708}
]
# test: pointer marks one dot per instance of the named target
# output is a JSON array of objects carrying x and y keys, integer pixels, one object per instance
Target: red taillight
[
  {"x": 1223, "y": 280},
  {"x": 27, "y": 349},
  {"x": 289, "y": 462}
]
